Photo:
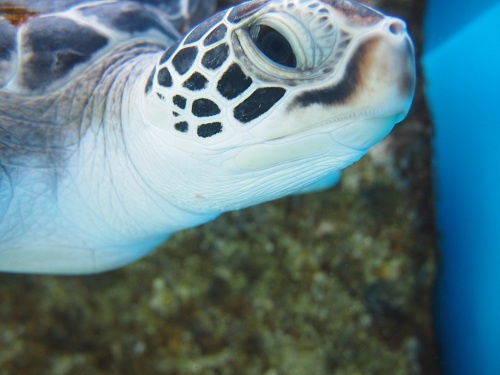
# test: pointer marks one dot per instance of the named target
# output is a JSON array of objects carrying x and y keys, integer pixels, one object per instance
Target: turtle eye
[{"x": 273, "y": 45}]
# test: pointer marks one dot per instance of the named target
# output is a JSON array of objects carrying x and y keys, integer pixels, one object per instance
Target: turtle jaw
[{"x": 335, "y": 147}]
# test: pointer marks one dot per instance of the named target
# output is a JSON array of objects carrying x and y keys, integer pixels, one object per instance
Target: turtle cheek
[{"x": 386, "y": 78}]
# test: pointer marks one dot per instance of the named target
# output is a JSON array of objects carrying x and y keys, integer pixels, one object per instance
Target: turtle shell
[{"x": 43, "y": 44}]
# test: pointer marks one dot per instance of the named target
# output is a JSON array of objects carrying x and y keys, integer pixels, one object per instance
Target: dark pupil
[{"x": 275, "y": 46}]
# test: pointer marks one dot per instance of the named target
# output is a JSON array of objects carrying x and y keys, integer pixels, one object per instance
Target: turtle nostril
[{"x": 397, "y": 27}]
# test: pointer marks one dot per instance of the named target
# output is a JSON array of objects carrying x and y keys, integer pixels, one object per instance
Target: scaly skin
[{"x": 145, "y": 164}]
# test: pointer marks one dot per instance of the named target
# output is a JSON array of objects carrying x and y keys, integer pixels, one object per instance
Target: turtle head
[{"x": 272, "y": 95}]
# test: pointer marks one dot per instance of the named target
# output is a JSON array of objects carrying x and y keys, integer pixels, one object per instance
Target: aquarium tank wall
[{"x": 461, "y": 64}]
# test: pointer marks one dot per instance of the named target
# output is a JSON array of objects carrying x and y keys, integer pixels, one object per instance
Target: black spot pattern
[
  {"x": 184, "y": 59},
  {"x": 149, "y": 83},
  {"x": 168, "y": 53},
  {"x": 216, "y": 35},
  {"x": 205, "y": 108},
  {"x": 175, "y": 114},
  {"x": 233, "y": 82},
  {"x": 258, "y": 103},
  {"x": 182, "y": 126},
  {"x": 196, "y": 82},
  {"x": 208, "y": 130},
  {"x": 164, "y": 78},
  {"x": 215, "y": 57},
  {"x": 203, "y": 28},
  {"x": 179, "y": 101},
  {"x": 58, "y": 44}
]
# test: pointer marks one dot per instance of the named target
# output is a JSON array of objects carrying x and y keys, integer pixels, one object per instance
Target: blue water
[{"x": 462, "y": 70}]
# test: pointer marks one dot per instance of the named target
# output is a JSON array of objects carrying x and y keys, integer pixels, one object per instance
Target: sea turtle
[{"x": 116, "y": 131}]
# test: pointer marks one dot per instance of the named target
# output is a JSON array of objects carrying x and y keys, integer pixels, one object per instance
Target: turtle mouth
[
  {"x": 341, "y": 145},
  {"x": 363, "y": 134}
]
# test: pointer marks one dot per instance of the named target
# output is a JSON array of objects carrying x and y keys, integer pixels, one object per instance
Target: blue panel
[
  {"x": 463, "y": 88},
  {"x": 445, "y": 18}
]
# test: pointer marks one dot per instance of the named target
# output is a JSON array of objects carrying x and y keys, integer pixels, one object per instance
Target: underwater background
[{"x": 337, "y": 282}]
